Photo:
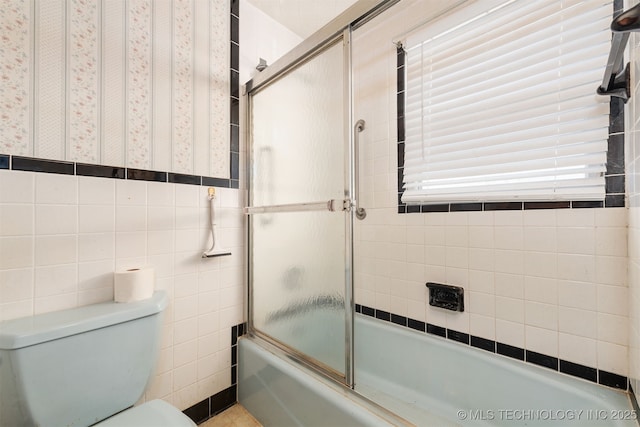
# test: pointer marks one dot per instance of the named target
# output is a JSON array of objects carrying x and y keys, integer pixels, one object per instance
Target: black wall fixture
[{"x": 616, "y": 81}]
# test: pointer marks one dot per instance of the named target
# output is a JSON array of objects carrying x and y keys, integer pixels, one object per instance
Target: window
[{"x": 500, "y": 103}]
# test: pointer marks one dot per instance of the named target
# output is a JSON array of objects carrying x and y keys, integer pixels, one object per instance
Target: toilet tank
[{"x": 79, "y": 366}]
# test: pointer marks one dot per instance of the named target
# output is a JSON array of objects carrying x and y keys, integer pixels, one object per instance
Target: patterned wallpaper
[{"x": 135, "y": 83}]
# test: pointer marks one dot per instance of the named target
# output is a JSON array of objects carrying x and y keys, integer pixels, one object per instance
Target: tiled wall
[
  {"x": 633, "y": 175},
  {"x": 549, "y": 281},
  {"x": 61, "y": 238},
  {"x": 137, "y": 83},
  {"x": 66, "y": 226}
]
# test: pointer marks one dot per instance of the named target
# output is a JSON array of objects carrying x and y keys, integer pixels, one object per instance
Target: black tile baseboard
[
  {"x": 213, "y": 405},
  {"x": 550, "y": 362}
]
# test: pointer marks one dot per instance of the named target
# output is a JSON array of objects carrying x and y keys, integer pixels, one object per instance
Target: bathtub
[{"x": 426, "y": 380}]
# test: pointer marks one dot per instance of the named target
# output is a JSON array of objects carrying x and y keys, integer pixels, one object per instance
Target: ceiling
[{"x": 303, "y": 17}]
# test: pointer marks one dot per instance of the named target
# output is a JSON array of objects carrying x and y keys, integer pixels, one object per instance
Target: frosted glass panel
[
  {"x": 299, "y": 281},
  {"x": 298, "y": 134},
  {"x": 298, "y": 264}
]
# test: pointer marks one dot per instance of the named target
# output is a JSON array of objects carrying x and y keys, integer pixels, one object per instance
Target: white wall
[
  {"x": 261, "y": 37},
  {"x": 550, "y": 281},
  {"x": 138, "y": 83}
]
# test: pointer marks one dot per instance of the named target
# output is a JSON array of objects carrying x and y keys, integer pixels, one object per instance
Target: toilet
[{"x": 84, "y": 366}]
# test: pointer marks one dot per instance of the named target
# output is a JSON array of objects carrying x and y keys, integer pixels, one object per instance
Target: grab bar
[
  {"x": 329, "y": 205},
  {"x": 616, "y": 81},
  {"x": 359, "y": 127}
]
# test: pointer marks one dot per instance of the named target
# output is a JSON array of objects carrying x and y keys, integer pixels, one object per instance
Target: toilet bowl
[{"x": 83, "y": 366}]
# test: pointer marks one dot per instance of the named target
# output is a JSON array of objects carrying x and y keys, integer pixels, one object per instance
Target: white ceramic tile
[
  {"x": 509, "y": 285},
  {"x": 482, "y": 218},
  {"x": 56, "y": 189},
  {"x": 56, "y": 219},
  {"x": 160, "y": 242},
  {"x": 210, "y": 323},
  {"x": 16, "y": 252},
  {"x": 578, "y": 322},
  {"x": 95, "y": 274},
  {"x": 510, "y": 309},
  {"x": 96, "y": 191},
  {"x": 16, "y": 309},
  {"x": 56, "y": 249},
  {"x": 612, "y": 358},
  {"x": 611, "y": 217},
  {"x": 185, "y": 330},
  {"x": 613, "y": 329},
  {"x": 17, "y": 187},
  {"x": 511, "y": 333},
  {"x": 186, "y": 217},
  {"x": 508, "y": 218},
  {"x": 56, "y": 280},
  {"x": 541, "y": 264},
  {"x": 457, "y": 235},
  {"x": 611, "y": 270},
  {"x": 576, "y": 240},
  {"x": 508, "y": 261},
  {"x": 187, "y": 195},
  {"x": 481, "y": 303},
  {"x": 540, "y": 239},
  {"x": 541, "y": 315},
  {"x": 457, "y": 257},
  {"x": 130, "y": 192},
  {"x": 131, "y": 218},
  {"x": 482, "y": 326},
  {"x": 482, "y": 281},
  {"x": 540, "y": 218},
  {"x": 611, "y": 241},
  {"x": 131, "y": 244},
  {"x": 96, "y": 219},
  {"x": 207, "y": 344},
  {"x": 581, "y": 295},
  {"x": 55, "y": 303},
  {"x": 575, "y": 217},
  {"x": 613, "y": 299},
  {"x": 540, "y": 289},
  {"x": 511, "y": 238},
  {"x": 184, "y": 353},
  {"x": 580, "y": 268},
  {"x": 577, "y": 349},
  {"x": 96, "y": 246},
  {"x": 184, "y": 376},
  {"x": 16, "y": 285},
  {"x": 481, "y": 237},
  {"x": 457, "y": 321},
  {"x": 16, "y": 220},
  {"x": 160, "y": 194},
  {"x": 95, "y": 296},
  {"x": 541, "y": 340}
]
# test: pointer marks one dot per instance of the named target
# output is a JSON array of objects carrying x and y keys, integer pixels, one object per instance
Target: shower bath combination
[{"x": 305, "y": 343}]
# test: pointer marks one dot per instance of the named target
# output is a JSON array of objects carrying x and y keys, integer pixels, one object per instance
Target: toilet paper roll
[{"x": 134, "y": 284}]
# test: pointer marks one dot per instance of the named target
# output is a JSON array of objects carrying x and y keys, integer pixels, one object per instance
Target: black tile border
[
  {"x": 29, "y": 164},
  {"x": 614, "y": 175},
  {"x": 4, "y": 162},
  {"x": 213, "y": 405},
  {"x": 553, "y": 363}
]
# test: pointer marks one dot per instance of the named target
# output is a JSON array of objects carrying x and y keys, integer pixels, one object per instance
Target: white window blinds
[{"x": 501, "y": 103}]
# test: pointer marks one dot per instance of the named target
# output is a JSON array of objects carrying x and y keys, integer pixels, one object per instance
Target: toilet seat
[{"x": 155, "y": 413}]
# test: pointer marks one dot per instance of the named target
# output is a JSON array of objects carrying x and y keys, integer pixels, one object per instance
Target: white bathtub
[{"x": 426, "y": 380}]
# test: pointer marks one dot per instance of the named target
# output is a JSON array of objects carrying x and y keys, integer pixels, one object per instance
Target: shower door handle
[{"x": 359, "y": 127}]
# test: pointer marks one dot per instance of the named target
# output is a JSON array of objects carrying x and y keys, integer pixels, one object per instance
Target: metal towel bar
[{"x": 329, "y": 205}]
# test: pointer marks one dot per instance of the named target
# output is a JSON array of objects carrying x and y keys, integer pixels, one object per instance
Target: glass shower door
[{"x": 300, "y": 236}]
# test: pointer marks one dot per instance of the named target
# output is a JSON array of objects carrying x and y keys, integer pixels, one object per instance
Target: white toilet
[{"x": 79, "y": 367}]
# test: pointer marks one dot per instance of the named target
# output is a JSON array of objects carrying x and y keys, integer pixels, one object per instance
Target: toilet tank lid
[{"x": 27, "y": 331}]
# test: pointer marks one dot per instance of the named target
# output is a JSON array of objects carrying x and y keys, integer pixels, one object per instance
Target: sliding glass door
[{"x": 300, "y": 251}]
